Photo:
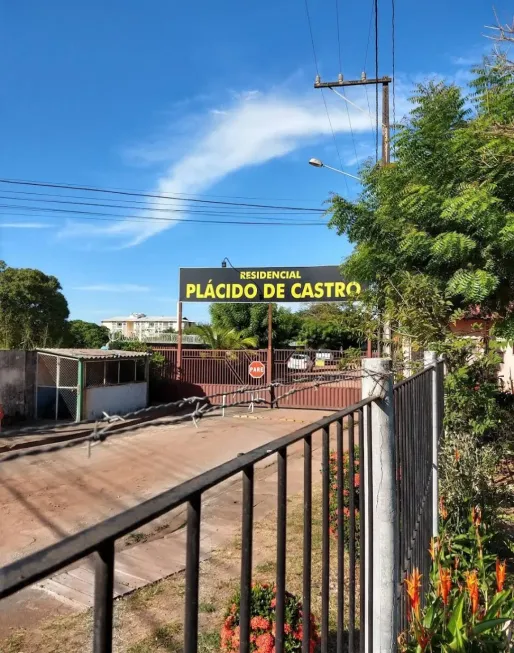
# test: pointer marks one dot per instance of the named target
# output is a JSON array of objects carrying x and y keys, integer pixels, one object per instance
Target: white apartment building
[{"x": 139, "y": 325}]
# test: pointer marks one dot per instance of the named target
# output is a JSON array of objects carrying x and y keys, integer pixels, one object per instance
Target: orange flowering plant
[
  {"x": 469, "y": 606},
  {"x": 351, "y": 482},
  {"x": 263, "y": 623}
]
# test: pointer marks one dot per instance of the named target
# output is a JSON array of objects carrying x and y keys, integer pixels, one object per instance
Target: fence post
[
  {"x": 430, "y": 359},
  {"x": 381, "y": 544}
]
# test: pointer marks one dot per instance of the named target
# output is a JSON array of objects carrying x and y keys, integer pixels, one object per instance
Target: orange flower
[
  {"x": 472, "y": 587},
  {"x": 445, "y": 583},
  {"x": 442, "y": 509},
  {"x": 413, "y": 583},
  {"x": 434, "y": 546},
  {"x": 500, "y": 574},
  {"x": 457, "y": 455},
  {"x": 476, "y": 516},
  {"x": 423, "y": 637},
  {"x": 259, "y": 623}
]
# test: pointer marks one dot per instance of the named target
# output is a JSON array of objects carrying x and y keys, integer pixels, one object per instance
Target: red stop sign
[{"x": 257, "y": 370}]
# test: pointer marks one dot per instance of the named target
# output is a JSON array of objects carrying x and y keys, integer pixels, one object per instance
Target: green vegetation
[
  {"x": 223, "y": 338},
  {"x": 434, "y": 231},
  {"x": 86, "y": 335},
  {"x": 33, "y": 310},
  {"x": 251, "y": 320}
]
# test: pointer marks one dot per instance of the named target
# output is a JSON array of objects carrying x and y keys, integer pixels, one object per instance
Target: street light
[{"x": 319, "y": 164}]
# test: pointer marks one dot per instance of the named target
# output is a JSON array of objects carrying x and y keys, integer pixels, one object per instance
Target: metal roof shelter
[{"x": 77, "y": 384}]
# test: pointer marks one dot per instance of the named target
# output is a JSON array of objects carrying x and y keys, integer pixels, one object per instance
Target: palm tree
[{"x": 217, "y": 338}]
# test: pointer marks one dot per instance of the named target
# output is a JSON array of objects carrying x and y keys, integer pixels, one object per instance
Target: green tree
[
  {"x": 86, "y": 334},
  {"x": 251, "y": 320},
  {"x": 438, "y": 223},
  {"x": 33, "y": 310},
  {"x": 222, "y": 338},
  {"x": 331, "y": 326}
]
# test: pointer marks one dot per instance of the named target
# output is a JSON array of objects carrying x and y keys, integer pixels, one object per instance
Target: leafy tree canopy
[
  {"x": 86, "y": 334},
  {"x": 438, "y": 223},
  {"x": 251, "y": 320},
  {"x": 33, "y": 310},
  {"x": 223, "y": 338},
  {"x": 331, "y": 326}
]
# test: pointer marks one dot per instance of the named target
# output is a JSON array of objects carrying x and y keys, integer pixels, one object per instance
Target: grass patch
[
  {"x": 209, "y": 642},
  {"x": 14, "y": 643},
  {"x": 206, "y": 607},
  {"x": 167, "y": 637},
  {"x": 136, "y": 538}
]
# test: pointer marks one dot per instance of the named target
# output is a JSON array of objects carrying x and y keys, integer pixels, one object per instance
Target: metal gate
[
  {"x": 217, "y": 372},
  {"x": 57, "y": 387}
]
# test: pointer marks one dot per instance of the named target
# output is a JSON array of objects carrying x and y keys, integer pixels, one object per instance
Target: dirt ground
[
  {"x": 151, "y": 619},
  {"x": 48, "y": 497}
]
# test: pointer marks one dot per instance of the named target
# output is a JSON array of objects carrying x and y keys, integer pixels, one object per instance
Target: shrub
[
  {"x": 469, "y": 607},
  {"x": 349, "y": 484},
  {"x": 477, "y": 425},
  {"x": 263, "y": 623}
]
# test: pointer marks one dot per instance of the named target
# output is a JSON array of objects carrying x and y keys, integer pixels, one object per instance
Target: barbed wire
[
  {"x": 202, "y": 409},
  {"x": 179, "y": 403}
]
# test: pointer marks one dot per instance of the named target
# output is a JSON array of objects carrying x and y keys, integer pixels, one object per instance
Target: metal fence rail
[
  {"x": 100, "y": 539},
  {"x": 414, "y": 430}
]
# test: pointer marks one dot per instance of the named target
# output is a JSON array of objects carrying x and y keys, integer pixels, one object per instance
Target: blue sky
[{"x": 213, "y": 100}]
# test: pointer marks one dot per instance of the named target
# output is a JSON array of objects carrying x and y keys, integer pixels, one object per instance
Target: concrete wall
[
  {"x": 114, "y": 399},
  {"x": 506, "y": 372},
  {"x": 17, "y": 385}
]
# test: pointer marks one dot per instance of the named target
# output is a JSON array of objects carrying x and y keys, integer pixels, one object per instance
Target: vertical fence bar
[
  {"x": 325, "y": 534},
  {"x": 370, "y": 532},
  {"x": 104, "y": 582},
  {"x": 281, "y": 549},
  {"x": 307, "y": 541},
  {"x": 351, "y": 479},
  {"x": 362, "y": 536},
  {"x": 246, "y": 560},
  {"x": 340, "y": 536},
  {"x": 194, "y": 508}
]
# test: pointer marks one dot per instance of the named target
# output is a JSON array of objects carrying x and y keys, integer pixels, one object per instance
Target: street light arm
[{"x": 341, "y": 172}]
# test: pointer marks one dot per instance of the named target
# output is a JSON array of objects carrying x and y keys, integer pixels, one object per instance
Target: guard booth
[{"x": 77, "y": 384}]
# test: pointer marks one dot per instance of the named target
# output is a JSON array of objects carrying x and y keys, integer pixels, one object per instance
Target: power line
[
  {"x": 207, "y": 211},
  {"x": 142, "y": 203},
  {"x": 376, "y": 77},
  {"x": 322, "y": 94},
  {"x": 87, "y": 215},
  {"x": 94, "y": 189},
  {"x": 393, "y": 39},
  {"x": 338, "y": 36},
  {"x": 366, "y": 59}
]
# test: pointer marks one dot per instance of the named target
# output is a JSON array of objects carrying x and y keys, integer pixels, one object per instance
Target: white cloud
[
  {"x": 254, "y": 129},
  {"x": 25, "y": 225},
  {"x": 114, "y": 287}
]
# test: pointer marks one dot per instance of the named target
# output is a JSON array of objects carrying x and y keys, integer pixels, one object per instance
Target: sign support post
[
  {"x": 269, "y": 377},
  {"x": 179, "y": 341}
]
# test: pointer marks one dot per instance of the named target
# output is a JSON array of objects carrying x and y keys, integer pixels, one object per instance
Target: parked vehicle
[{"x": 300, "y": 362}]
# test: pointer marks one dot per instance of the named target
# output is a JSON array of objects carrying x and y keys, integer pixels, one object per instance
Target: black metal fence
[
  {"x": 347, "y": 431},
  {"x": 415, "y": 409}
]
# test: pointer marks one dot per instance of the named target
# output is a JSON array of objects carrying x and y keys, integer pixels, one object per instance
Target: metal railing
[
  {"x": 100, "y": 539},
  {"x": 416, "y": 464}
]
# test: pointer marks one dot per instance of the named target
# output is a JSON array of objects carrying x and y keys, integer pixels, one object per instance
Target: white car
[{"x": 299, "y": 362}]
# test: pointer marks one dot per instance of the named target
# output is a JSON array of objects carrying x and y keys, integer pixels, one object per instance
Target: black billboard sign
[{"x": 322, "y": 283}]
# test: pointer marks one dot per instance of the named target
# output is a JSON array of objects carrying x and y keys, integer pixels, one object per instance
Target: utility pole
[
  {"x": 364, "y": 81},
  {"x": 386, "y": 144}
]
